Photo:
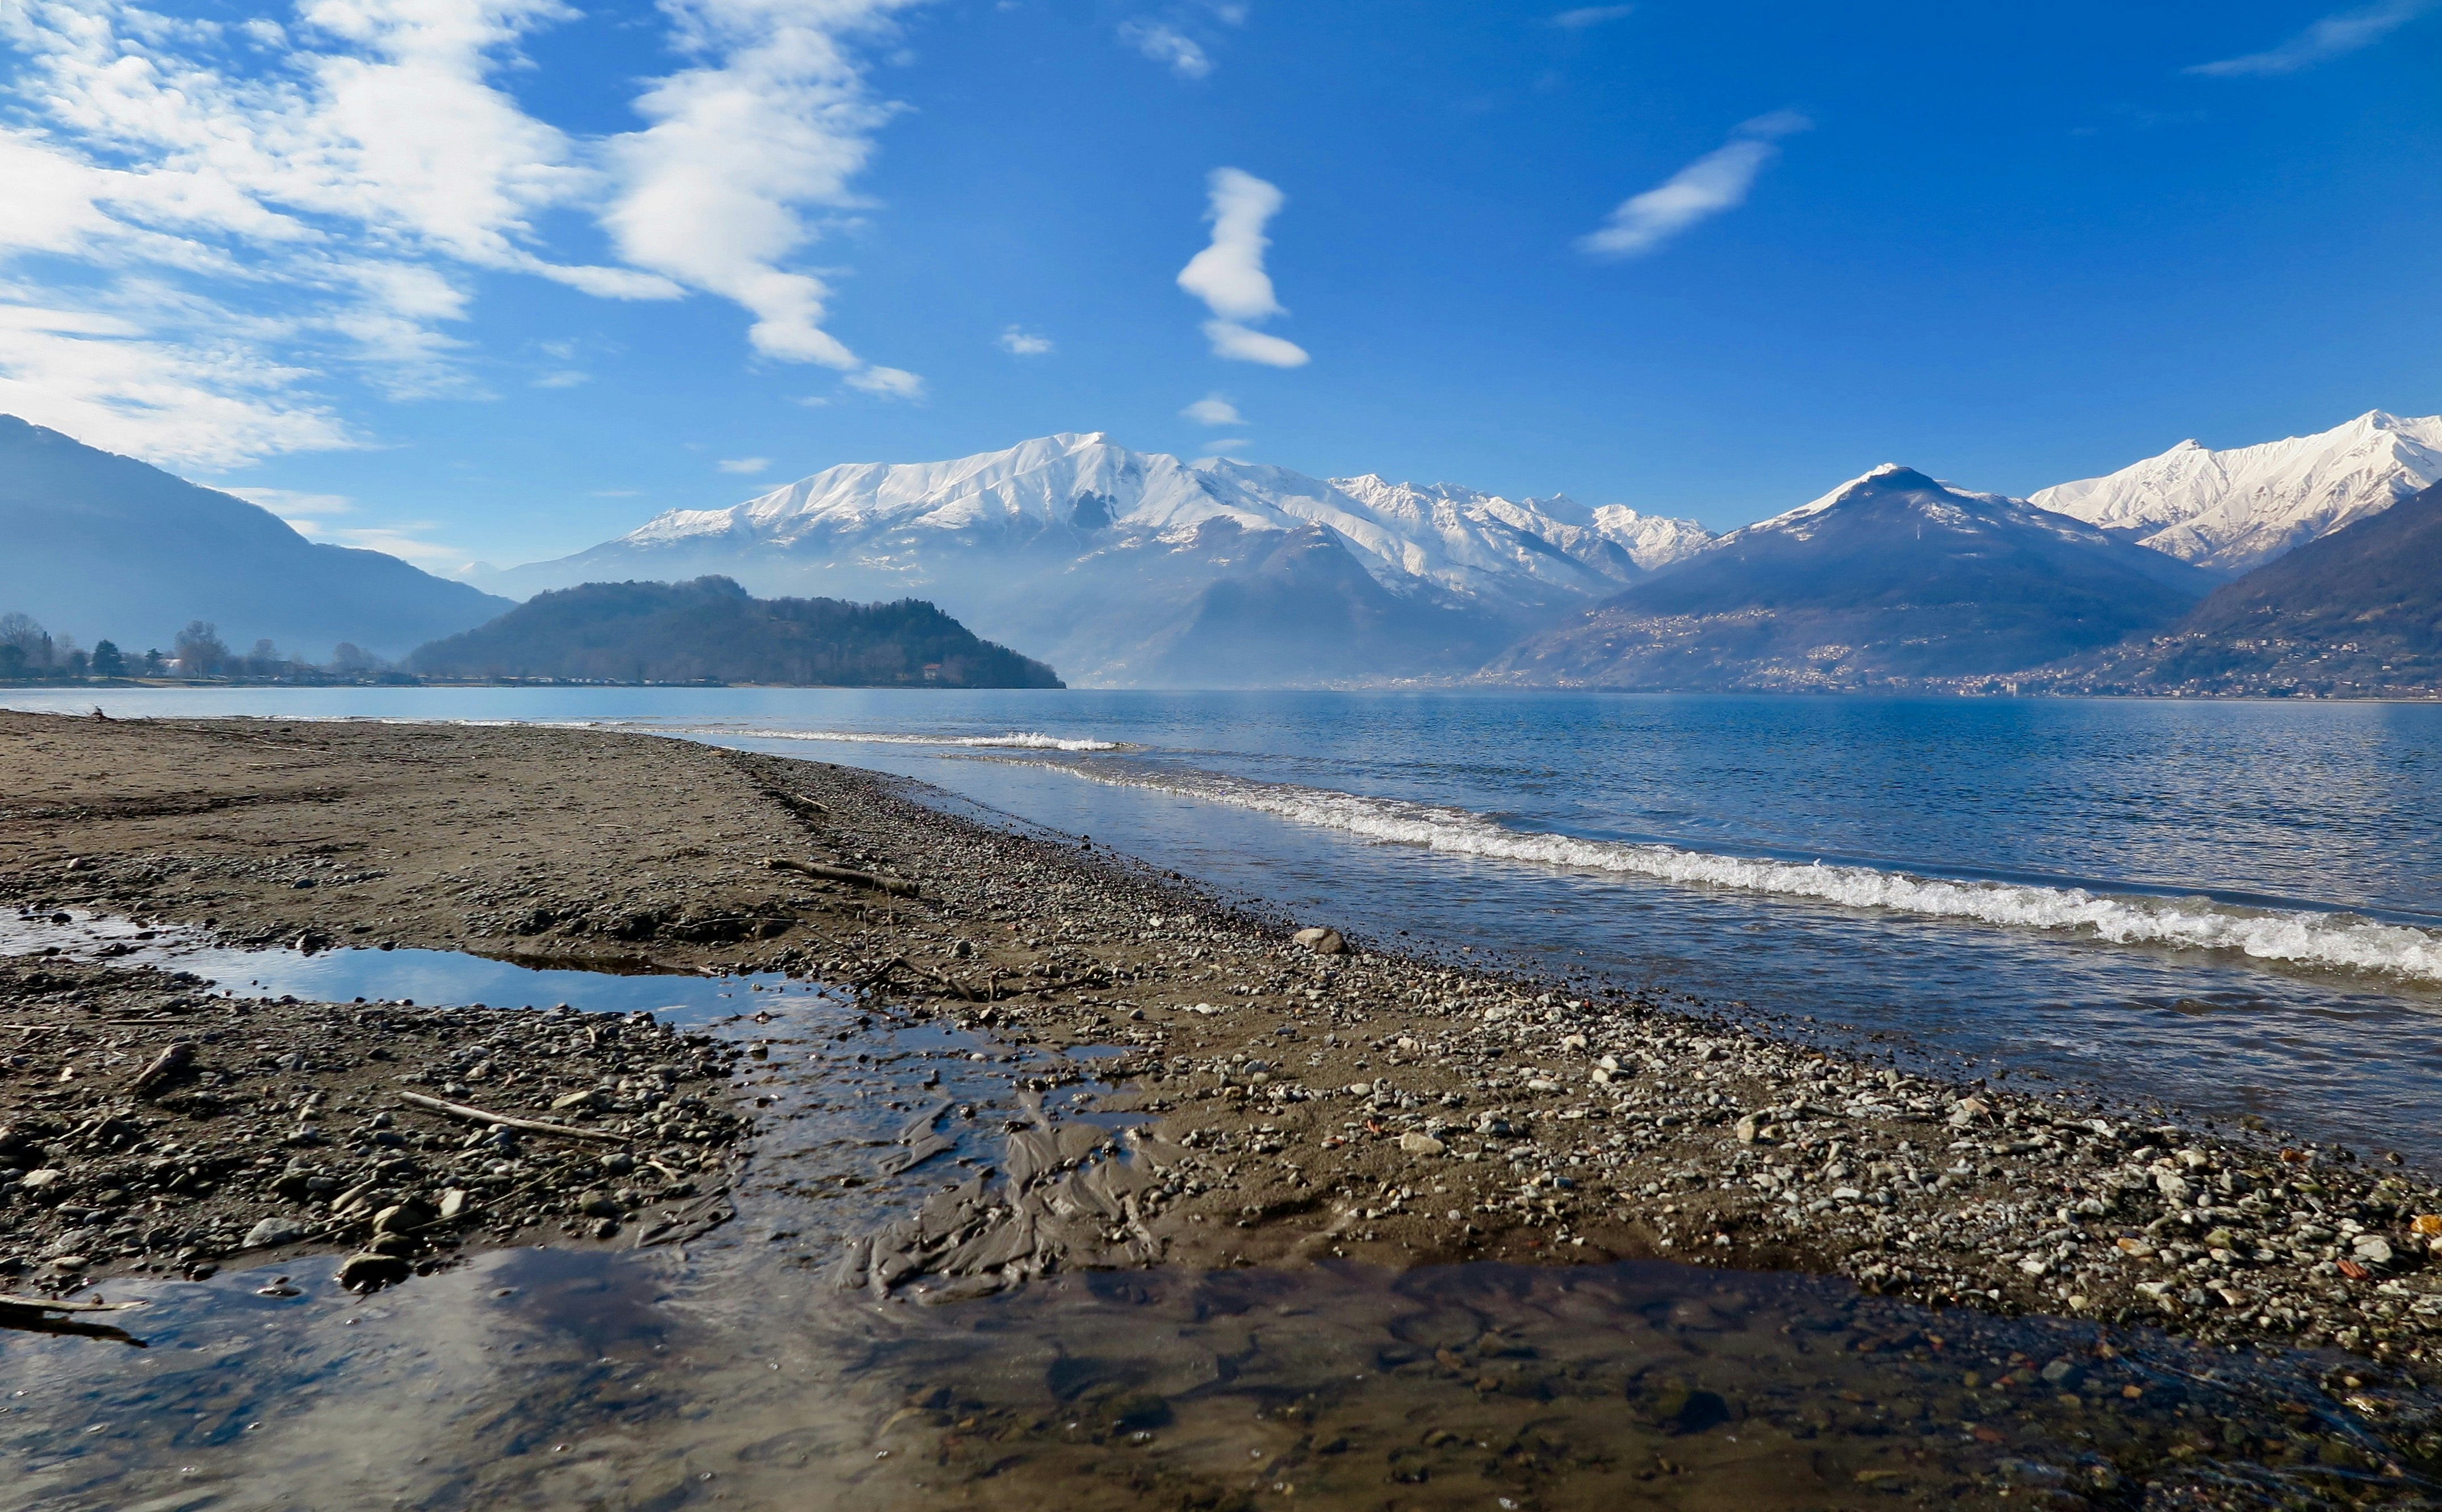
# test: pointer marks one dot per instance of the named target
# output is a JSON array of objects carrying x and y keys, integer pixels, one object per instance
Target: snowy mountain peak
[
  {"x": 1098, "y": 557},
  {"x": 2237, "y": 509}
]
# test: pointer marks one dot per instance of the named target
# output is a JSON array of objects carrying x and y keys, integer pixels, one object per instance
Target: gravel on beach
[{"x": 1304, "y": 1095}]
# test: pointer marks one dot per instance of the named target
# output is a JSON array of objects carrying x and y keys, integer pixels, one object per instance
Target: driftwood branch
[
  {"x": 472, "y": 1115},
  {"x": 178, "y": 1057},
  {"x": 54, "y": 1305},
  {"x": 800, "y": 802},
  {"x": 901, "y": 886}
]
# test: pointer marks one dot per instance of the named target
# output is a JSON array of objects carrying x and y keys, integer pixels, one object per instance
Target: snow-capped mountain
[
  {"x": 2230, "y": 511},
  {"x": 1888, "y": 577},
  {"x": 1120, "y": 565}
]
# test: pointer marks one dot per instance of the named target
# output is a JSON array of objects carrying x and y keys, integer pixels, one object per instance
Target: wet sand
[{"x": 1357, "y": 1105}]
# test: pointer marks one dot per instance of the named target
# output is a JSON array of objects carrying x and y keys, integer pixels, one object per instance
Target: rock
[
  {"x": 1321, "y": 941},
  {"x": 368, "y": 1270},
  {"x": 47, "y": 1179},
  {"x": 586, "y": 1099},
  {"x": 403, "y": 1217},
  {"x": 1416, "y": 1143},
  {"x": 2175, "y": 1189},
  {"x": 1746, "y": 1128},
  {"x": 2066, "y": 1374},
  {"x": 2373, "y": 1249},
  {"x": 598, "y": 1205},
  {"x": 272, "y": 1233},
  {"x": 453, "y": 1202}
]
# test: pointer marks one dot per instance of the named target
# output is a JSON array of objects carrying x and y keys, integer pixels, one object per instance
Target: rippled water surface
[{"x": 2234, "y": 909}]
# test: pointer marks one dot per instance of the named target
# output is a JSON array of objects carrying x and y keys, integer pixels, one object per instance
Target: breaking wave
[
  {"x": 2301, "y": 937},
  {"x": 1013, "y": 741}
]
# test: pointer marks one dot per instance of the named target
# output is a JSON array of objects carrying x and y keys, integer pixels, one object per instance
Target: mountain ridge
[
  {"x": 1890, "y": 578},
  {"x": 2232, "y": 510},
  {"x": 104, "y": 545}
]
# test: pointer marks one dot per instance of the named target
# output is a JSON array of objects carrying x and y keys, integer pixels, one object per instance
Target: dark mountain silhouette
[
  {"x": 711, "y": 629},
  {"x": 1889, "y": 579},
  {"x": 97, "y": 545},
  {"x": 2357, "y": 613}
]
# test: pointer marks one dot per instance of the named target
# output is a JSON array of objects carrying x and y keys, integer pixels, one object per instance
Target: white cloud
[
  {"x": 1167, "y": 44},
  {"x": 250, "y": 209},
  {"x": 1229, "y": 275},
  {"x": 1023, "y": 343},
  {"x": 887, "y": 383},
  {"x": 394, "y": 540},
  {"x": 2334, "y": 36},
  {"x": 745, "y": 465},
  {"x": 1227, "y": 443},
  {"x": 1213, "y": 410},
  {"x": 288, "y": 504},
  {"x": 1584, "y": 17},
  {"x": 1716, "y": 182},
  {"x": 565, "y": 378},
  {"x": 776, "y": 121}
]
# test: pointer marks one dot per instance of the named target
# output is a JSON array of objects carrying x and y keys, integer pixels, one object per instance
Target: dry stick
[
  {"x": 901, "y": 886},
  {"x": 460, "y": 1110},
  {"x": 49, "y": 1304}
]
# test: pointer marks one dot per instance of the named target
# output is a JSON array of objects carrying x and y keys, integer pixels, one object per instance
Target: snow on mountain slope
[
  {"x": 2234, "y": 510},
  {"x": 1120, "y": 565}
]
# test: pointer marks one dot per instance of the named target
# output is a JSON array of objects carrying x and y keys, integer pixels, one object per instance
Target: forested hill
[{"x": 711, "y": 629}]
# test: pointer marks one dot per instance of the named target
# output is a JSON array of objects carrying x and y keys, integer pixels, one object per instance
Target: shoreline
[{"x": 1361, "y": 1104}]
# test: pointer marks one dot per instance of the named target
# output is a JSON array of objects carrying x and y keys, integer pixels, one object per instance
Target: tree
[
  {"x": 354, "y": 660},
  {"x": 32, "y": 644},
  {"x": 108, "y": 660},
  {"x": 200, "y": 650}
]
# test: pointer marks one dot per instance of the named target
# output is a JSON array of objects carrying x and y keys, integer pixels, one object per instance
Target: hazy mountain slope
[
  {"x": 2230, "y": 511},
  {"x": 2357, "y": 613},
  {"x": 1892, "y": 575},
  {"x": 102, "y": 545},
  {"x": 710, "y": 627},
  {"x": 1118, "y": 566}
]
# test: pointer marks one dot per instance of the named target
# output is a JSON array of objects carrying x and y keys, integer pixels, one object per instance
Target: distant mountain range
[
  {"x": 99, "y": 545},
  {"x": 1126, "y": 568},
  {"x": 711, "y": 629},
  {"x": 2357, "y": 613},
  {"x": 2231, "y": 511},
  {"x": 1129, "y": 567},
  {"x": 1891, "y": 577}
]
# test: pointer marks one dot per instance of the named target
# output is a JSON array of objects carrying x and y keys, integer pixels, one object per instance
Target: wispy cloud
[
  {"x": 205, "y": 225},
  {"x": 1022, "y": 343},
  {"x": 1716, "y": 182},
  {"x": 1229, "y": 274},
  {"x": 1212, "y": 409},
  {"x": 747, "y": 465},
  {"x": 406, "y": 542},
  {"x": 2334, "y": 36},
  {"x": 565, "y": 378},
  {"x": 1165, "y": 44},
  {"x": 887, "y": 383},
  {"x": 288, "y": 504},
  {"x": 1584, "y": 17}
]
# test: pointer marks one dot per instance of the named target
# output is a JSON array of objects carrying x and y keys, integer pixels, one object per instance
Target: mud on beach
[{"x": 1302, "y": 1099}]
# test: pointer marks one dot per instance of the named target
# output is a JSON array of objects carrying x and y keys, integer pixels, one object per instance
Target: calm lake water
[{"x": 2223, "y": 908}]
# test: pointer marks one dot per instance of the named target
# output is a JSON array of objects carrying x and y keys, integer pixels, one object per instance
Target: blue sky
[{"x": 496, "y": 279}]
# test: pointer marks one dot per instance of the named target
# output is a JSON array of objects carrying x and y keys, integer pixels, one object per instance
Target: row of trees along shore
[{"x": 30, "y": 654}]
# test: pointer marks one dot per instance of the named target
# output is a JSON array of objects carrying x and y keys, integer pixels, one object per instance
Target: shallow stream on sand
[{"x": 734, "y": 1371}]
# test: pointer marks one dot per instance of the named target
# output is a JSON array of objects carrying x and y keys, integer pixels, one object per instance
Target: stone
[
  {"x": 42, "y": 1181},
  {"x": 1416, "y": 1143},
  {"x": 453, "y": 1202},
  {"x": 1321, "y": 941},
  {"x": 586, "y": 1099},
  {"x": 368, "y": 1270},
  {"x": 1746, "y": 1128},
  {"x": 598, "y": 1205},
  {"x": 2066, "y": 1374},
  {"x": 403, "y": 1217},
  {"x": 2373, "y": 1249},
  {"x": 272, "y": 1233}
]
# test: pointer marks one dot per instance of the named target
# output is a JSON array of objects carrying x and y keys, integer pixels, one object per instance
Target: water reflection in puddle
[{"x": 732, "y": 1371}]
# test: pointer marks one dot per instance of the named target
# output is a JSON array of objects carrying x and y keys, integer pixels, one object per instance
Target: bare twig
[
  {"x": 473, "y": 1114},
  {"x": 899, "y": 887},
  {"x": 54, "y": 1305}
]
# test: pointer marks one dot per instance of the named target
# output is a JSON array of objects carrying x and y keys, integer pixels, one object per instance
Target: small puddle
[{"x": 736, "y": 1370}]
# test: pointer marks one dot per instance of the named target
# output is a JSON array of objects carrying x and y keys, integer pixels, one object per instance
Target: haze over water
[{"x": 2229, "y": 907}]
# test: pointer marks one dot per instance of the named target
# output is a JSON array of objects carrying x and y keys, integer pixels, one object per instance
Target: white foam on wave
[
  {"x": 2298, "y": 936},
  {"x": 1013, "y": 741}
]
